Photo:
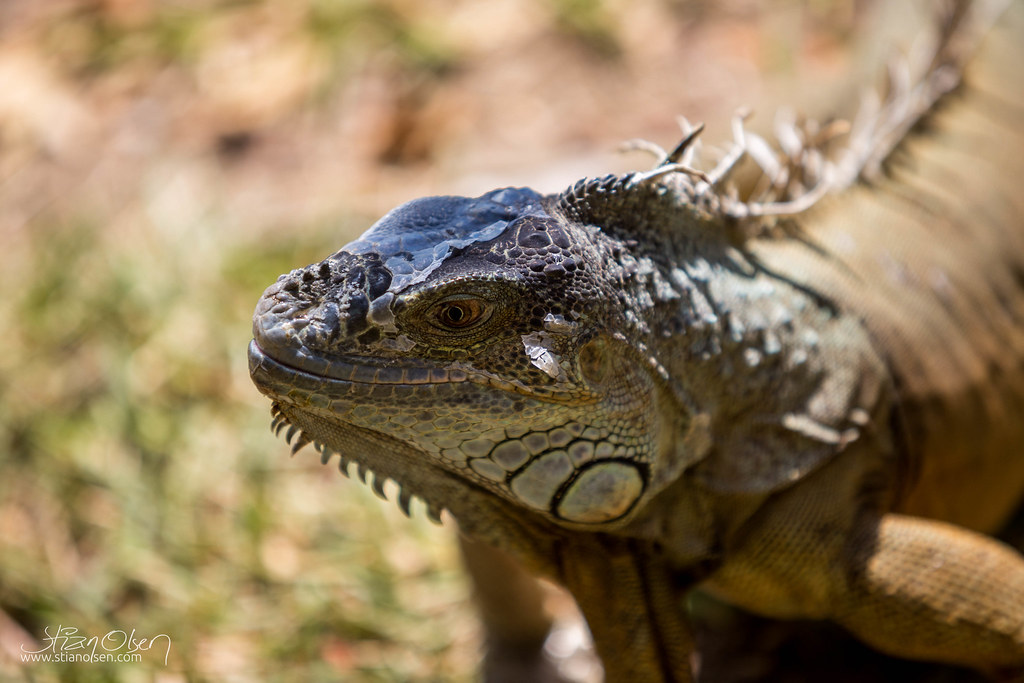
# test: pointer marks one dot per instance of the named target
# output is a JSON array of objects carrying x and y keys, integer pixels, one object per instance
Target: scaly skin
[{"x": 639, "y": 385}]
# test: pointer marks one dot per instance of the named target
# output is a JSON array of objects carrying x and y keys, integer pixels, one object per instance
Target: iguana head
[{"x": 479, "y": 342}]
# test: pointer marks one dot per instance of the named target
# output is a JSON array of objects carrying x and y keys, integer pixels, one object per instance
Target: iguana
[{"x": 806, "y": 400}]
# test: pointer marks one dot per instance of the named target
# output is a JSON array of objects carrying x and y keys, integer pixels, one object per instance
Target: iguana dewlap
[{"x": 810, "y": 402}]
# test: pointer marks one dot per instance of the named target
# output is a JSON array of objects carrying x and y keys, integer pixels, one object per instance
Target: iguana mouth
[
  {"x": 317, "y": 373},
  {"x": 357, "y": 370}
]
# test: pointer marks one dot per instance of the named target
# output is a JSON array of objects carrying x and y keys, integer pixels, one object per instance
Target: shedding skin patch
[{"x": 541, "y": 356}]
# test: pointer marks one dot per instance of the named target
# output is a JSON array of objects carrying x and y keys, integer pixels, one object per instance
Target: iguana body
[{"x": 639, "y": 385}]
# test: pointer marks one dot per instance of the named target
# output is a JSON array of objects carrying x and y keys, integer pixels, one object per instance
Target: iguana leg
[
  {"x": 908, "y": 586},
  {"x": 510, "y": 603},
  {"x": 928, "y": 590},
  {"x": 633, "y": 603}
]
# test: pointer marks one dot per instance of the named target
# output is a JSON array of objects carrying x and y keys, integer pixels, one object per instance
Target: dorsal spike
[{"x": 685, "y": 145}]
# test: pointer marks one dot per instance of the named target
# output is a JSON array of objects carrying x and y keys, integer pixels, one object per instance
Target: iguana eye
[{"x": 461, "y": 313}]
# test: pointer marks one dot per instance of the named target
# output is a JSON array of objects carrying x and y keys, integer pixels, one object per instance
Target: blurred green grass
[{"x": 160, "y": 164}]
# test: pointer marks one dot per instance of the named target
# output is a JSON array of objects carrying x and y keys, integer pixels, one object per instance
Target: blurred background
[{"x": 161, "y": 162}]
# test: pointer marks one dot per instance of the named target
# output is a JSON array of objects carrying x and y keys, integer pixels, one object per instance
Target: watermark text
[{"x": 66, "y": 644}]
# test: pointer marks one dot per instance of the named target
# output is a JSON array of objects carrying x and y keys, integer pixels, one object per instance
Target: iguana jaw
[
  {"x": 378, "y": 454},
  {"x": 347, "y": 416},
  {"x": 379, "y": 457}
]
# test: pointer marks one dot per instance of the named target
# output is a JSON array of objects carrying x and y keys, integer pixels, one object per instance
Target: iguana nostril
[
  {"x": 355, "y": 314},
  {"x": 378, "y": 280}
]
